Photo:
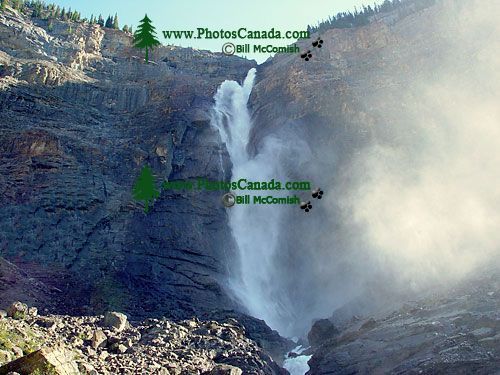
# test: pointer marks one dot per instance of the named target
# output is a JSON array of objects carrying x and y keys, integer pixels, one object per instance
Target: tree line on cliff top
[
  {"x": 368, "y": 13},
  {"x": 49, "y": 12},
  {"x": 342, "y": 20}
]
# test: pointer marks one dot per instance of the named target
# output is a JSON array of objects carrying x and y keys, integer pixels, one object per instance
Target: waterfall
[{"x": 255, "y": 228}]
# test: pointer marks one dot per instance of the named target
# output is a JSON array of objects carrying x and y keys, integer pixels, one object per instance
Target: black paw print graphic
[
  {"x": 306, "y": 206},
  {"x": 318, "y": 43},
  {"x": 317, "y": 193},
  {"x": 306, "y": 55}
]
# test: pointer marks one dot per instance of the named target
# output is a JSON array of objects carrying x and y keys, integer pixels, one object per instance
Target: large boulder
[
  {"x": 5, "y": 356},
  {"x": 53, "y": 361},
  {"x": 115, "y": 320},
  {"x": 222, "y": 369},
  {"x": 321, "y": 331},
  {"x": 17, "y": 310},
  {"x": 99, "y": 339}
]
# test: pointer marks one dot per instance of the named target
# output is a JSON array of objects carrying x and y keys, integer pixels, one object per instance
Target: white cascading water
[{"x": 255, "y": 228}]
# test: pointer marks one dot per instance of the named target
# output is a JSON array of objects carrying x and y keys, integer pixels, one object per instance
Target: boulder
[
  {"x": 223, "y": 369},
  {"x": 17, "y": 310},
  {"x": 56, "y": 361},
  {"x": 5, "y": 356},
  {"x": 32, "y": 311},
  {"x": 99, "y": 339},
  {"x": 321, "y": 331},
  {"x": 118, "y": 348},
  {"x": 115, "y": 320},
  {"x": 18, "y": 352},
  {"x": 87, "y": 369},
  {"x": 103, "y": 355}
]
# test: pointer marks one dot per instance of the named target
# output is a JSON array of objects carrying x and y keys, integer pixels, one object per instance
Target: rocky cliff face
[
  {"x": 452, "y": 333},
  {"x": 81, "y": 114}
]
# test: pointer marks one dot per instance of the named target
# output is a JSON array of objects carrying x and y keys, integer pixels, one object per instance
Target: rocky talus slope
[{"x": 110, "y": 344}]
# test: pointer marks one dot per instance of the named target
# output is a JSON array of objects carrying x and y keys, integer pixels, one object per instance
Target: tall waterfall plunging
[{"x": 255, "y": 228}]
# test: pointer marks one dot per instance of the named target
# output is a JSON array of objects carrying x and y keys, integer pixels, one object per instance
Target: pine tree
[
  {"x": 386, "y": 6},
  {"x": 4, "y": 4},
  {"x": 144, "y": 36},
  {"x": 125, "y": 28},
  {"x": 37, "y": 10},
  {"x": 63, "y": 14},
  {"x": 144, "y": 187},
  {"x": 100, "y": 21},
  {"x": 91, "y": 19},
  {"x": 109, "y": 22},
  {"x": 115, "y": 22}
]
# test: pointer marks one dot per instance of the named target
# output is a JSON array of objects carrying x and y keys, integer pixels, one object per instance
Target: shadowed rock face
[
  {"x": 452, "y": 333},
  {"x": 81, "y": 114}
]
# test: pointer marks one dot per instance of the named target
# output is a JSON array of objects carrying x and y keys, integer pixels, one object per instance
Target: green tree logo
[
  {"x": 144, "y": 187},
  {"x": 144, "y": 36}
]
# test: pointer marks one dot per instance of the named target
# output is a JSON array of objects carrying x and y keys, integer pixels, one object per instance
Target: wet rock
[
  {"x": 321, "y": 331},
  {"x": 456, "y": 333}
]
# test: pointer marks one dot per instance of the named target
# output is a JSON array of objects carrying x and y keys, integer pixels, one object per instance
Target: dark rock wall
[{"x": 81, "y": 113}]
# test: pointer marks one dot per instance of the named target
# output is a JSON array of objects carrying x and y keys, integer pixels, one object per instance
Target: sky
[{"x": 226, "y": 14}]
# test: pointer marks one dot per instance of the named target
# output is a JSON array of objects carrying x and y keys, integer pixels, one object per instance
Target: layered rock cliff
[{"x": 81, "y": 114}]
